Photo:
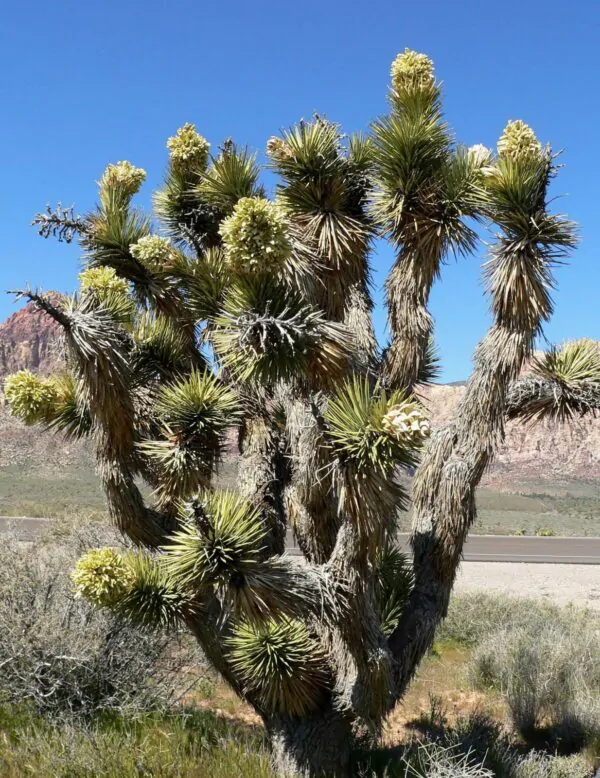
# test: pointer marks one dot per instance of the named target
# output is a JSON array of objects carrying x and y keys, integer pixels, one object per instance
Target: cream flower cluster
[
  {"x": 519, "y": 142},
  {"x": 102, "y": 280},
  {"x": 30, "y": 398},
  {"x": 278, "y": 149},
  {"x": 255, "y": 235},
  {"x": 480, "y": 155},
  {"x": 411, "y": 70},
  {"x": 123, "y": 176},
  {"x": 406, "y": 421},
  {"x": 153, "y": 250},
  {"x": 102, "y": 577},
  {"x": 188, "y": 148}
]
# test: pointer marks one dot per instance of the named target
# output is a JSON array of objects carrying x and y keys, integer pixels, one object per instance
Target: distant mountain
[
  {"x": 538, "y": 452},
  {"x": 30, "y": 340}
]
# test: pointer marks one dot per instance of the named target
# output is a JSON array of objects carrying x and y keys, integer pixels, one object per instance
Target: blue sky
[{"x": 84, "y": 84}]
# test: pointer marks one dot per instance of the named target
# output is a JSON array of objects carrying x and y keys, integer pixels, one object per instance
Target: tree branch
[
  {"x": 60, "y": 223},
  {"x": 532, "y": 399},
  {"x": 45, "y": 304},
  {"x": 519, "y": 279}
]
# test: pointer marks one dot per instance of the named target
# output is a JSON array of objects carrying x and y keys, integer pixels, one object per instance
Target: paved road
[
  {"x": 505, "y": 548},
  {"x": 479, "y": 548}
]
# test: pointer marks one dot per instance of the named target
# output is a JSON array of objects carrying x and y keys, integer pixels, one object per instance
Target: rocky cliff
[{"x": 29, "y": 339}]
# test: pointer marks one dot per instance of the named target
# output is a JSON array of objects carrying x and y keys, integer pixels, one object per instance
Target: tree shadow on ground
[{"x": 478, "y": 739}]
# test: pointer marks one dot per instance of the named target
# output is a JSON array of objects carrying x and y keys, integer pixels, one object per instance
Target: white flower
[
  {"x": 153, "y": 250},
  {"x": 411, "y": 70},
  {"x": 480, "y": 155},
  {"x": 102, "y": 280},
  {"x": 519, "y": 141},
  {"x": 255, "y": 235},
  {"x": 123, "y": 176},
  {"x": 103, "y": 577},
  {"x": 188, "y": 148},
  {"x": 406, "y": 421},
  {"x": 29, "y": 397}
]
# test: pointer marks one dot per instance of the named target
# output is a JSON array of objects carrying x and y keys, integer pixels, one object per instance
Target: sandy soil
[{"x": 562, "y": 584}]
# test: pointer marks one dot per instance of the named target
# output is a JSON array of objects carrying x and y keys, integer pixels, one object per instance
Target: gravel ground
[{"x": 562, "y": 584}]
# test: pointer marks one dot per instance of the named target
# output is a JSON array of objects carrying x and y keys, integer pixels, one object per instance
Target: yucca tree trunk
[{"x": 316, "y": 747}]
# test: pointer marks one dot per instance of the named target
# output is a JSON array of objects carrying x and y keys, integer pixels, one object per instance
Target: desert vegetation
[
  {"x": 567, "y": 509},
  {"x": 228, "y": 308},
  {"x": 83, "y": 693}
]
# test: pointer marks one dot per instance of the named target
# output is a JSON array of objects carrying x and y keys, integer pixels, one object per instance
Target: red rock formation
[
  {"x": 29, "y": 339},
  {"x": 539, "y": 451}
]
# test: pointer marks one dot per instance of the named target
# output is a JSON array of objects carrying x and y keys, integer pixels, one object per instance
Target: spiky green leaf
[
  {"x": 231, "y": 176},
  {"x": 69, "y": 412},
  {"x": 281, "y": 663},
  {"x": 267, "y": 333},
  {"x": 221, "y": 536},
  {"x": 154, "y": 600},
  {"x": 194, "y": 414},
  {"x": 394, "y": 580},
  {"x": 564, "y": 382}
]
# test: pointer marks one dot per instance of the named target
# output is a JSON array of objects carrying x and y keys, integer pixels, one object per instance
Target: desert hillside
[{"x": 539, "y": 452}]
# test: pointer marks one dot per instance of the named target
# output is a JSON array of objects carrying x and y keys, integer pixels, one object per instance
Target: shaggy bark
[
  {"x": 361, "y": 659},
  {"x": 358, "y": 317},
  {"x": 408, "y": 289},
  {"x": 444, "y": 493},
  {"x": 262, "y": 475},
  {"x": 318, "y": 746},
  {"x": 309, "y": 498}
]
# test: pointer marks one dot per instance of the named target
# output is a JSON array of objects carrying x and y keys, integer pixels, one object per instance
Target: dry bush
[
  {"x": 60, "y": 655},
  {"x": 432, "y": 760},
  {"x": 536, "y": 765},
  {"x": 473, "y": 616},
  {"x": 550, "y": 676},
  {"x": 475, "y": 745}
]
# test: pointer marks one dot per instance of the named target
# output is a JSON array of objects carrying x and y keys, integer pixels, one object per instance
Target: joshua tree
[{"x": 233, "y": 311}]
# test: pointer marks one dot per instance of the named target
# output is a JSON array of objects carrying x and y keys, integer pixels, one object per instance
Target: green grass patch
[{"x": 193, "y": 744}]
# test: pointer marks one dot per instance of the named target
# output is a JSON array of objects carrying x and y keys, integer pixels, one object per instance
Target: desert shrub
[
  {"x": 57, "y": 653},
  {"x": 549, "y": 675},
  {"x": 475, "y": 745},
  {"x": 480, "y": 738},
  {"x": 484, "y": 738},
  {"x": 538, "y": 765},
  {"x": 486, "y": 741},
  {"x": 432, "y": 760},
  {"x": 164, "y": 745},
  {"x": 474, "y": 616},
  {"x": 429, "y": 759}
]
